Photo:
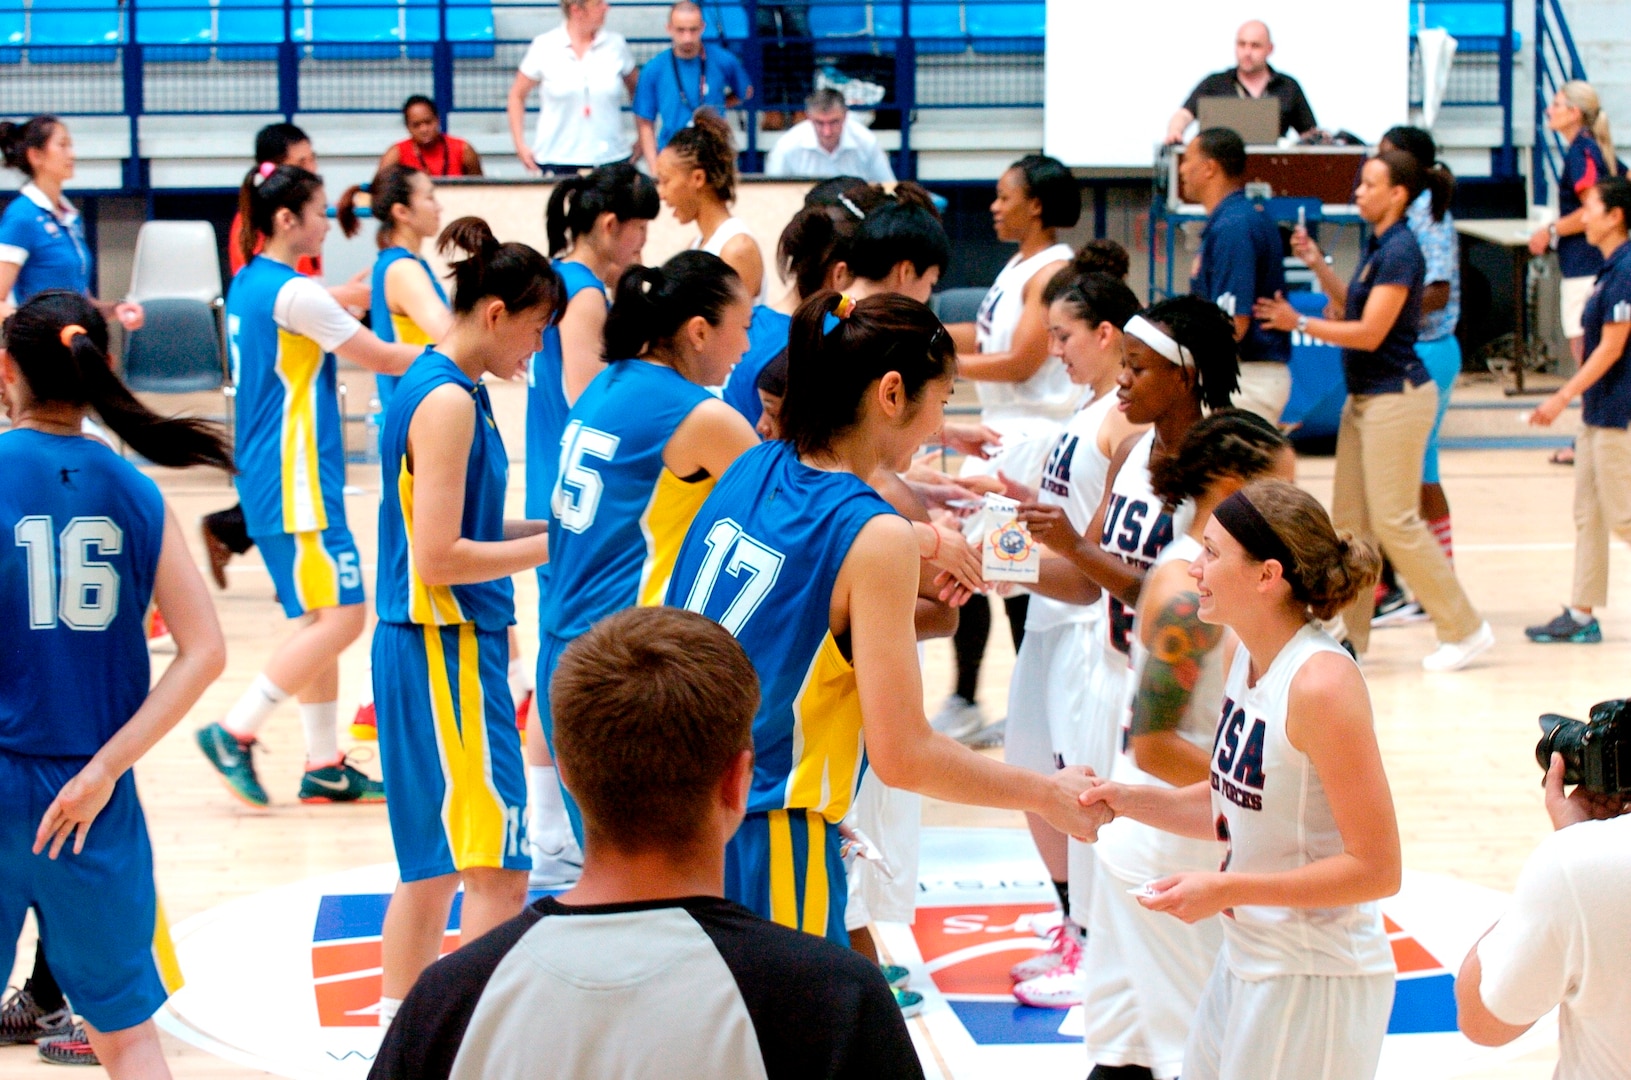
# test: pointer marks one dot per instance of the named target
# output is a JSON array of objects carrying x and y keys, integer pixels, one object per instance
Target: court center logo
[{"x": 288, "y": 980}]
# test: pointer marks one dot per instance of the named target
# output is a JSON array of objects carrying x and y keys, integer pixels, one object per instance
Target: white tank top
[
  {"x": 1137, "y": 527},
  {"x": 1129, "y": 849},
  {"x": 729, "y": 230},
  {"x": 1272, "y": 811},
  {"x": 1073, "y": 477},
  {"x": 1048, "y": 393}
]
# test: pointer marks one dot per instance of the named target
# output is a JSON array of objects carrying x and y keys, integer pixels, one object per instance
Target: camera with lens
[{"x": 1596, "y": 752}]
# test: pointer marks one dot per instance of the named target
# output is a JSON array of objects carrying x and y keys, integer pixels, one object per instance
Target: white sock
[
  {"x": 321, "y": 721},
  {"x": 387, "y": 1010},
  {"x": 546, "y": 810},
  {"x": 250, "y": 714},
  {"x": 521, "y": 680},
  {"x": 1581, "y": 617},
  {"x": 366, "y": 698}
]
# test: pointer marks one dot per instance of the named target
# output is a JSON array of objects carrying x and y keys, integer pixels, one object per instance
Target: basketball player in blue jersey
[
  {"x": 817, "y": 577},
  {"x": 448, "y": 741},
  {"x": 643, "y": 447},
  {"x": 596, "y": 225},
  {"x": 282, "y": 330},
  {"x": 92, "y": 543}
]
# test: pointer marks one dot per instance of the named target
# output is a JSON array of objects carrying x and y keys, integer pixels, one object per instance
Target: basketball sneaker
[
  {"x": 338, "y": 783},
  {"x": 1394, "y": 608},
  {"x": 233, "y": 760},
  {"x": 1566, "y": 628},
  {"x": 910, "y": 1002},
  {"x": 557, "y": 869},
  {"x": 989, "y": 737},
  {"x": 958, "y": 718},
  {"x": 523, "y": 711},
  {"x": 1044, "y": 923},
  {"x": 1455, "y": 655},
  {"x": 23, "y": 1021},
  {"x": 896, "y": 975},
  {"x": 70, "y": 1048},
  {"x": 1065, "y": 944},
  {"x": 1061, "y": 988},
  {"x": 365, "y": 725}
]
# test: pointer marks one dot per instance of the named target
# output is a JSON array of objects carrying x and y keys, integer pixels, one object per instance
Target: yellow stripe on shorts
[
  {"x": 815, "y": 877},
  {"x": 316, "y": 575},
  {"x": 472, "y": 814},
  {"x": 164, "y": 952},
  {"x": 783, "y": 893}
]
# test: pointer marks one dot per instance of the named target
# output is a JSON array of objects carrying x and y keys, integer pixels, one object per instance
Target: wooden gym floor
[{"x": 1459, "y": 747}]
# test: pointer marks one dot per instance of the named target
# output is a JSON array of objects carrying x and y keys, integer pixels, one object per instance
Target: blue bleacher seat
[
  {"x": 356, "y": 29},
  {"x": 90, "y": 27},
  {"x": 726, "y": 20},
  {"x": 1014, "y": 26},
  {"x": 13, "y": 24},
  {"x": 469, "y": 28},
  {"x": 175, "y": 30},
  {"x": 937, "y": 25},
  {"x": 250, "y": 29},
  {"x": 840, "y": 28},
  {"x": 1476, "y": 26}
]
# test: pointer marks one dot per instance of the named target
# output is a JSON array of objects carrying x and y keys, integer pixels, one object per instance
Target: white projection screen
[{"x": 1118, "y": 70}]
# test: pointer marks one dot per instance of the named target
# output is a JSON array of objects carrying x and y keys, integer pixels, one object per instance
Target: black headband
[{"x": 1247, "y": 525}]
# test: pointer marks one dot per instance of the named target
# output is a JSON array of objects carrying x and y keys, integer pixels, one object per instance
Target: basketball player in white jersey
[
  {"x": 1303, "y": 986},
  {"x": 1144, "y": 972}
]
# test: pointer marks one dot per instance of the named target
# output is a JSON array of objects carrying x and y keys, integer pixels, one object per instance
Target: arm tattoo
[{"x": 1179, "y": 644}]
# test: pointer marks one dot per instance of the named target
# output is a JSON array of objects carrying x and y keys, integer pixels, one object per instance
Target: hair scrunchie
[
  {"x": 845, "y": 307},
  {"x": 68, "y": 334}
]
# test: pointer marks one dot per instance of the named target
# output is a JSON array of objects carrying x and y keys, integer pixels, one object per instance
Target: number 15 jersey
[{"x": 761, "y": 559}]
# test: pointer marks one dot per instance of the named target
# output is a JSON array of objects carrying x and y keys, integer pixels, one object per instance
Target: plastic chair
[
  {"x": 251, "y": 29},
  {"x": 937, "y": 25},
  {"x": 1006, "y": 27},
  {"x": 356, "y": 29},
  {"x": 57, "y": 25},
  {"x": 178, "y": 350},
  {"x": 178, "y": 260},
  {"x": 960, "y": 304},
  {"x": 469, "y": 28},
  {"x": 175, "y": 30},
  {"x": 727, "y": 21},
  {"x": 840, "y": 29},
  {"x": 13, "y": 31}
]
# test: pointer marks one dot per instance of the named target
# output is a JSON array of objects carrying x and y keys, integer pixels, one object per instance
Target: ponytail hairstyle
[
  {"x": 855, "y": 195},
  {"x": 1101, "y": 257},
  {"x": 1230, "y": 443},
  {"x": 828, "y": 372},
  {"x": 1419, "y": 145},
  {"x": 80, "y": 373},
  {"x": 816, "y": 239},
  {"x": 391, "y": 186},
  {"x": 1327, "y": 568},
  {"x": 1201, "y": 327},
  {"x": 16, "y": 140},
  {"x": 1403, "y": 170},
  {"x": 1051, "y": 184},
  {"x": 1615, "y": 191},
  {"x": 578, "y": 201},
  {"x": 904, "y": 228},
  {"x": 274, "y": 141},
  {"x": 1581, "y": 95},
  {"x": 267, "y": 189},
  {"x": 512, "y": 273},
  {"x": 709, "y": 145},
  {"x": 654, "y": 302}
]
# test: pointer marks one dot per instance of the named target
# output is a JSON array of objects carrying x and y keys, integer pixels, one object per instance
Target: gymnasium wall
[{"x": 1117, "y": 72}]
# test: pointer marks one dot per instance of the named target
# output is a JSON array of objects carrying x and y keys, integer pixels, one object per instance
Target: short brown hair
[
  {"x": 651, "y": 706},
  {"x": 1331, "y": 567}
]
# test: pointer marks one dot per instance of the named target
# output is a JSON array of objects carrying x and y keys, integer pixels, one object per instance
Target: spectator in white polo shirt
[
  {"x": 584, "y": 73},
  {"x": 829, "y": 144}
]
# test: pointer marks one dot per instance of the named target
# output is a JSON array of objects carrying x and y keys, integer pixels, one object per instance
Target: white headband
[{"x": 1159, "y": 340}]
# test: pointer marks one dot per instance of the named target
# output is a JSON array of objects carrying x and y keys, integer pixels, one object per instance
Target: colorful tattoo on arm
[{"x": 1177, "y": 647}]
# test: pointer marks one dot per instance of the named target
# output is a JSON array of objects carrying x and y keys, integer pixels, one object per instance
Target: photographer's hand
[{"x": 1580, "y": 804}]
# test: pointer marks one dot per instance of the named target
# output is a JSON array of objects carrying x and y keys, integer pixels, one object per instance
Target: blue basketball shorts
[
  {"x": 785, "y": 866},
  {"x": 455, "y": 788},
  {"x": 550, "y": 649},
  {"x": 100, "y": 923},
  {"x": 313, "y": 570},
  {"x": 1443, "y": 360}
]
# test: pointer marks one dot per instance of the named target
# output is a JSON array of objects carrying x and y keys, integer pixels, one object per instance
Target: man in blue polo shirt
[
  {"x": 1240, "y": 262},
  {"x": 678, "y": 81}
]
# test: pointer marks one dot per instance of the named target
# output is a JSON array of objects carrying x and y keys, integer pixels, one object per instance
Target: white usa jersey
[
  {"x": 1273, "y": 814},
  {"x": 1073, "y": 477},
  {"x": 1047, "y": 393},
  {"x": 1137, "y": 527}
]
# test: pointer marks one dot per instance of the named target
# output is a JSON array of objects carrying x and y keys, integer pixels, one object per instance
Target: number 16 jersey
[{"x": 761, "y": 559}]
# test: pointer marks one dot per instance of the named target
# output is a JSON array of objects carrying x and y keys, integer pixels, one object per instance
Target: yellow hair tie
[
  {"x": 68, "y": 332},
  {"x": 846, "y": 306}
]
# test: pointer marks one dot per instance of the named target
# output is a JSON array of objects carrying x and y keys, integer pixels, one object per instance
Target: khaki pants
[
  {"x": 1602, "y": 504},
  {"x": 1264, "y": 389},
  {"x": 1377, "y": 495}
]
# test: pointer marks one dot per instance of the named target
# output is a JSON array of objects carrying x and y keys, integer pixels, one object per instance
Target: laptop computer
[{"x": 1255, "y": 120}]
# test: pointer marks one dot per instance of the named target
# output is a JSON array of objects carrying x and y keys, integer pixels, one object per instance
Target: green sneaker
[
  {"x": 340, "y": 783},
  {"x": 910, "y": 1002},
  {"x": 232, "y": 759},
  {"x": 896, "y": 975}
]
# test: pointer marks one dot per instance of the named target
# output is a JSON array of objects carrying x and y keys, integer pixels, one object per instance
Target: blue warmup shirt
[
  {"x": 1392, "y": 258},
  {"x": 619, "y": 513},
  {"x": 401, "y": 596},
  {"x": 1607, "y": 403},
  {"x": 761, "y": 559},
  {"x": 50, "y": 252},
  {"x": 86, "y": 529},
  {"x": 1241, "y": 261},
  {"x": 387, "y": 325},
  {"x": 767, "y": 336},
  {"x": 671, "y": 90},
  {"x": 546, "y": 398},
  {"x": 1583, "y": 167}
]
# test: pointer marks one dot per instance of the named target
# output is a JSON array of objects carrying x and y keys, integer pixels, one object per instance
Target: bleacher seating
[
  {"x": 936, "y": 27},
  {"x": 1006, "y": 26},
  {"x": 59, "y": 25},
  {"x": 13, "y": 31},
  {"x": 176, "y": 30},
  {"x": 1477, "y": 26},
  {"x": 249, "y": 29},
  {"x": 469, "y": 28}
]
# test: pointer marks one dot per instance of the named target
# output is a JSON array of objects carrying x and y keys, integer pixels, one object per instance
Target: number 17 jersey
[{"x": 761, "y": 559}]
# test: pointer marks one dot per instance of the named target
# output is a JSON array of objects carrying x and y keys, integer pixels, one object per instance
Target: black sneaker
[
  {"x": 1565, "y": 628},
  {"x": 72, "y": 1048},
  {"x": 23, "y": 1021},
  {"x": 1390, "y": 598}
]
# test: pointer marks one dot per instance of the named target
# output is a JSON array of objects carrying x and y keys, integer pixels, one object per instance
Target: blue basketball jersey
[
  {"x": 546, "y": 397},
  {"x": 389, "y": 326},
  {"x": 619, "y": 514},
  {"x": 289, "y": 449},
  {"x": 401, "y": 596},
  {"x": 85, "y": 528},
  {"x": 761, "y": 559}
]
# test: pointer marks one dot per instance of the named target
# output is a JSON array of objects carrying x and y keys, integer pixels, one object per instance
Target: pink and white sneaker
[
  {"x": 1064, "y": 945},
  {"x": 1062, "y": 986}
]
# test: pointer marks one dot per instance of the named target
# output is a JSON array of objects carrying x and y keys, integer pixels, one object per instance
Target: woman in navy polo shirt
[
  {"x": 1391, "y": 405},
  {"x": 42, "y": 240},
  {"x": 1602, "y": 451}
]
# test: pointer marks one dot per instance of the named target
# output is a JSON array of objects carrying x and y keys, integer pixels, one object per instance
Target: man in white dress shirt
[{"x": 828, "y": 144}]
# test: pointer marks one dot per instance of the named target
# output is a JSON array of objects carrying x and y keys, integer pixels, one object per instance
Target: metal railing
[{"x": 1556, "y": 62}]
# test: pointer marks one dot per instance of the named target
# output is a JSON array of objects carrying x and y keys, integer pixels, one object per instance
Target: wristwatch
[{"x": 1302, "y": 324}]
